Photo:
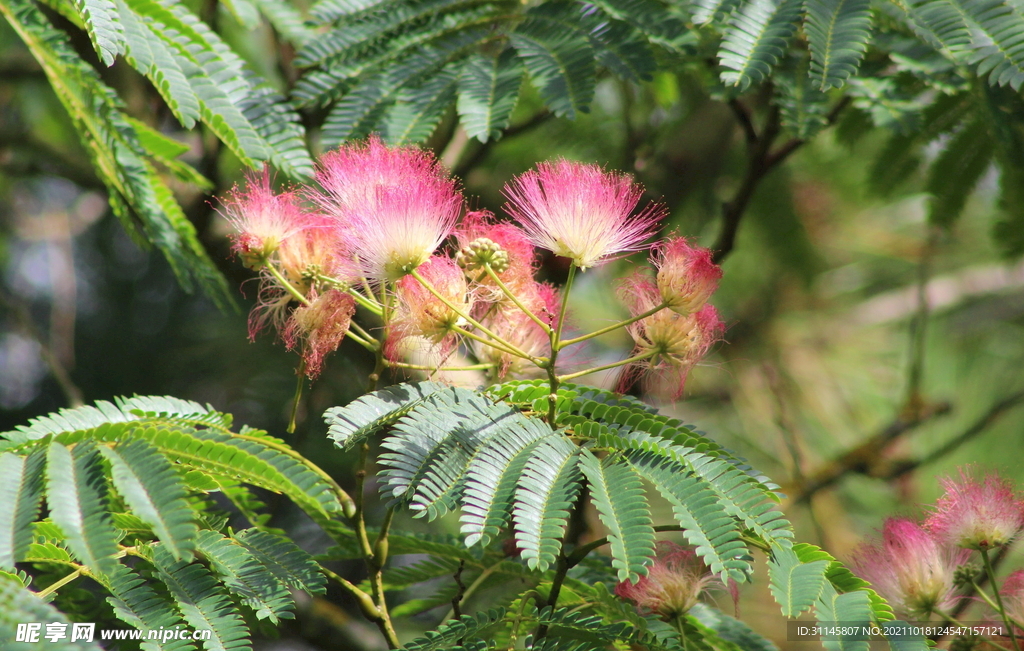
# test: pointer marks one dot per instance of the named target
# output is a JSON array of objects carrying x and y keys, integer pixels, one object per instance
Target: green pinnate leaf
[{"x": 21, "y": 491}]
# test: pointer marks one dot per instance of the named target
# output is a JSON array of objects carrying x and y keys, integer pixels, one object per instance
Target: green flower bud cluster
[{"x": 482, "y": 251}]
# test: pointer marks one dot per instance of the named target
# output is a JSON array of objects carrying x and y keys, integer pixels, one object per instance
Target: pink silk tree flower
[
  {"x": 687, "y": 276},
  {"x": 581, "y": 212},
  {"x": 514, "y": 326},
  {"x": 1012, "y": 593},
  {"x": 419, "y": 313},
  {"x": 319, "y": 250},
  {"x": 910, "y": 567},
  {"x": 396, "y": 204},
  {"x": 319, "y": 328},
  {"x": 263, "y": 220},
  {"x": 977, "y": 514},
  {"x": 673, "y": 584},
  {"x": 675, "y": 342}
]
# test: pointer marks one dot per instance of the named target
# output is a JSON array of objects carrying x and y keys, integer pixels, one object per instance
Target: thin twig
[{"x": 457, "y": 599}]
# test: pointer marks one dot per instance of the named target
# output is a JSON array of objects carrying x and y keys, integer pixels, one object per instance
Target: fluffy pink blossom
[
  {"x": 673, "y": 584},
  {"x": 263, "y": 220},
  {"x": 319, "y": 327},
  {"x": 396, "y": 204},
  {"x": 911, "y": 568},
  {"x": 581, "y": 212},
  {"x": 513, "y": 325},
  {"x": 513, "y": 241},
  {"x": 319, "y": 249},
  {"x": 687, "y": 276},
  {"x": 1012, "y": 593},
  {"x": 977, "y": 514},
  {"x": 419, "y": 313},
  {"x": 676, "y": 342}
]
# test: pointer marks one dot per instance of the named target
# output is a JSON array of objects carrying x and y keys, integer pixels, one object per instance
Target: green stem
[
  {"x": 990, "y": 571},
  {"x": 556, "y": 345},
  {"x": 605, "y": 367},
  {"x": 955, "y": 622},
  {"x": 371, "y": 346},
  {"x": 512, "y": 297},
  {"x": 298, "y": 396},
  {"x": 425, "y": 367},
  {"x": 614, "y": 326},
  {"x": 290, "y": 288},
  {"x": 470, "y": 320},
  {"x": 679, "y": 625},
  {"x": 60, "y": 583},
  {"x": 539, "y": 361},
  {"x": 364, "y": 600}
]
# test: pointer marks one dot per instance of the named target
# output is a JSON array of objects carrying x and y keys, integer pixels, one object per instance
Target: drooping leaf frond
[
  {"x": 853, "y": 607},
  {"x": 20, "y": 606},
  {"x": 450, "y": 633},
  {"x": 547, "y": 491},
  {"x": 136, "y": 603},
  {"x": 364, "y": 416},
  {"x": 795, "y": 585},
  {"x": 151, "y": 488},
  {"x": 20, "y": 494},
  {"x": 203, "y": 602},
  {"x": 284, "y": 559},
  {"x": 623, "y": 509},
  {"x": 246, "y": 577},
  {"x": 76, "y": 493},
  {"x": 838, "y": 32},
  {"x": 756, "y": 39},
  {"x": 488, "y": 90}
]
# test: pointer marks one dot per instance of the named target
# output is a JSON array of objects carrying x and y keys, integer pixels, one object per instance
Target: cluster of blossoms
[
  {"x": 918, "y": 566},
  {"x": 387, "y": 229}
]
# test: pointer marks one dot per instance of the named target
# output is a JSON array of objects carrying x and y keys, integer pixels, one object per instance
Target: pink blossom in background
[
  {"x": 581, "y": 212},
  {"x": 687, "y": 276},
  {"x": 419, "y": 313},
  {"x": 673, "y": 584},
  {"x": 910, "y": 567},
  {"x": 397, "y": 204},
  {"x": 1012, "y": 593},
  {"x": 319, "y": 328},
  {"x": 261, "y": 218},
  {"x": 977, "y": 514}
]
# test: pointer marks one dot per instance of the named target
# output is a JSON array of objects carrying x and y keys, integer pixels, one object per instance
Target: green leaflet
[
  {"x": 706, "y": 525},
  {"x": 287, "y": 20},
  {"x": 796, "y": 585},
  {"x": 364, "y": 416},
  {"x": 624, "y": 511},
  {"x": 547, "y": 491},
  {"x": 757, "y": 37},
  {"x": 291, "y": 565},
  {"x": 246, "y": 577},
  {"x": 76, "y": 494},
  {"x": 101, "y": 20},
  {"x": 202, "y": 601},
  {"x": 956, "y": 171},
  {"x": 136, "y": 603},
  {"x": 491, "y": 479},
  {"x": 152, "y": 489},
  {"x": 20, "y": 493},
  {"x": 838, "y": 32},
  {"x": 852, "y": 607},
  {"x": 488, "y": 91},
  {"x": 998, "y": 41},
  {"x": 418, "y": 109},
  {"x": 20, "y": 606},
  {"x": 448, "y": 634},
  {"x": 560, "y": 64},
  {"x": 731, "y": 629}
]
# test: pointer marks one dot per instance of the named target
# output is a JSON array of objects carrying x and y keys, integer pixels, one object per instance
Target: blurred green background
[{"x": 822, "y": 296}]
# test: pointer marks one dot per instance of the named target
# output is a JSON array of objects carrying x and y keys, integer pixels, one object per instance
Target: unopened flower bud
[
  {"x": 964, "y": 575},
  {"x": 480, "y": 252}
]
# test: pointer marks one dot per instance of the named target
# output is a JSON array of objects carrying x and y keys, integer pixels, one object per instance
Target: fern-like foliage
[
  {"x": 506, "y": 469},
  {"x": 157, "y": 457},
  {"x": 838, "y": 32}
]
